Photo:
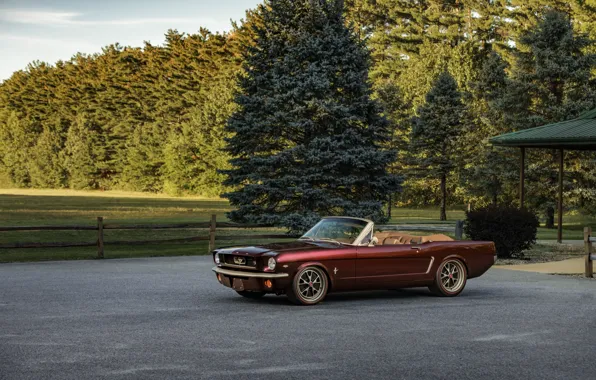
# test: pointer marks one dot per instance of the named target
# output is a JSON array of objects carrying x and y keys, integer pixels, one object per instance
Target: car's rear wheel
[
  {"x": 252, "y": 295},
  {"x": 450, "y": 279},
  {"x": 309, "y": 286}
]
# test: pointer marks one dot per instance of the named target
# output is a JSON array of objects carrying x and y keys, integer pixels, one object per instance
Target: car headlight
[
  {"x": 271, "y": 263},
  {"x": 216, "y": 258}
]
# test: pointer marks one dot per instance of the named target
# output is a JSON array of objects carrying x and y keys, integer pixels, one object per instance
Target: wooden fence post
[
  {"x": 459, "y": 229},
  {"x": 100, "y": 237},
  {"x": 212, "y": 233},
  {"x": 589, "y": 252}
]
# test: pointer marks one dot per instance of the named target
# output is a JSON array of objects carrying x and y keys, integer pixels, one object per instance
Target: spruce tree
[
  {"x": 307, "y": 136},
  {"x": 436, "y": 131}
]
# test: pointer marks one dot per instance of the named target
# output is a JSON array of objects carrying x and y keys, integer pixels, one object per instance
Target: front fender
[{"x": 317, "y": 264}]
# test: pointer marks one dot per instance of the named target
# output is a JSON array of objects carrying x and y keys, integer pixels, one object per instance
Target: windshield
[{"x": 341, "y": 230}]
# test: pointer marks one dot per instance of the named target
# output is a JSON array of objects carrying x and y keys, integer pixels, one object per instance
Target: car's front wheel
[
  {"x": 252, "y": 295},
  {"x": 450, "y": 278},
  {"x": 309, "y": 286}
]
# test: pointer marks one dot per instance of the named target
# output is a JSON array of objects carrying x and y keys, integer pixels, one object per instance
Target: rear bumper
[{"x": 252, "y": 281}]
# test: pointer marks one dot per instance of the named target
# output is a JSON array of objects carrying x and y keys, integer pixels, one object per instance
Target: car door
[{"x": 383, "y": 266}]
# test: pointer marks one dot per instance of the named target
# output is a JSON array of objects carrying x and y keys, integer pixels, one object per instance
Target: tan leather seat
[
  {"x": 395, "y": 238},
  {"x": 435, "y": 237},
  {"x": 392, "y": 240}
]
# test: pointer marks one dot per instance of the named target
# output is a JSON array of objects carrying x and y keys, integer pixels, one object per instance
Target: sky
[{"x": 53, "y": 30}]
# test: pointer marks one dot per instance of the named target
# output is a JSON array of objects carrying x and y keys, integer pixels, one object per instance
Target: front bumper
[
  {"x": 251, "y": 281},
  {"x": 238, "y": 273}
]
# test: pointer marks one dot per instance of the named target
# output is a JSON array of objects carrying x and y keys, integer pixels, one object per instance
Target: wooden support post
[
  {"x": 560, "y": 200},
  {"x": 588, "y": 249},
  {"x": 459, "y": 229},
  {"x": 522, "y": 177},
  {"x": 100, "y": 237},
  {"x": 212, "y": 233}
]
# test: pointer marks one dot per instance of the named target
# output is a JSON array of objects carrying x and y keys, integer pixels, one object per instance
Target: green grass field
[{"x": 20, "y": 207}]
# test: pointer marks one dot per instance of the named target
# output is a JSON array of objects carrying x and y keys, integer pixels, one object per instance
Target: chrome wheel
[
  {"x": 309, "y": 286},
  {"x": 452, "y": 276}
]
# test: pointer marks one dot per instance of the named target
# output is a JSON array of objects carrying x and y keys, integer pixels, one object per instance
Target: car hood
[{"x": 276, "y": 248}]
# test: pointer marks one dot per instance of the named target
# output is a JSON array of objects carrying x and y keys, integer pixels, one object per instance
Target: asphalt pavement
[{"x": 168, "y": 318}]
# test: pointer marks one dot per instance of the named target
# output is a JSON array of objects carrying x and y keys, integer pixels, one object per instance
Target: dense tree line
[
  {"x": 154, "y": 118},
  {"x": 144, "y": 119}
]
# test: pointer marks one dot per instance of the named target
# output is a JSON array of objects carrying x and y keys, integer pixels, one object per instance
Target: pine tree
[
  {"x": 490, "y": 173},
  {"x": 436, "y": 131},
  {"x": 195, "y": 154},
  {"x": 83, "y": 152},
  {"x": 46, "y": 166},
  {"x": 144, "y": 159},
  {"x": 307, "y": 135},
  {"x": 16, "y": 140}
]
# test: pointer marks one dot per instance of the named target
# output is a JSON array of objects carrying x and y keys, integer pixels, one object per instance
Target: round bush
[{"x": 513, "y": 230}]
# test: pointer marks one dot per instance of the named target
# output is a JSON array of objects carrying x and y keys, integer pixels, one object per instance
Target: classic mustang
[{"x": 345, "y": 254}]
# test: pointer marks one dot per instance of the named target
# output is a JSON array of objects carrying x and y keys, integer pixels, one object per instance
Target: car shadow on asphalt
[{"x": 363, "y": 296}]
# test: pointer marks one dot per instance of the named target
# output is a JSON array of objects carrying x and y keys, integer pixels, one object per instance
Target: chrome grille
[{"x": 239, "y": 261}]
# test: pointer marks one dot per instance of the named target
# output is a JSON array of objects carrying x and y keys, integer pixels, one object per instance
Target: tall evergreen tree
[
  {"x": 436, "y": 131},
  {"x": 16, "y": 140},
  {"x": 83, "y": 154},
  {"x": 307, "y": 135},
  {"x": 195, "y": 153},
  {"x": 491, "y": 173}
]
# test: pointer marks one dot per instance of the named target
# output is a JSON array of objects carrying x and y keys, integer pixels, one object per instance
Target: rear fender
[{"x": 454, "y": 256}]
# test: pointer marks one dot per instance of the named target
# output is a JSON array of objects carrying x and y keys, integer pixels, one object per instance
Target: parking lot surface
[{"x": 169, "y": 318}]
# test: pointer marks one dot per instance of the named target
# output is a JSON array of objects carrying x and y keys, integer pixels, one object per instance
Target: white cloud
[
  {"x": 63, "y": 43},
  {"x": 43, "y": 17}
]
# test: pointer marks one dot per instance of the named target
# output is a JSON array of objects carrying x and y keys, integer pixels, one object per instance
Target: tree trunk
[
  {"x": 495, "y": 193},
  {"x": 389, "y": 207},
  {"x": 443, "y": 196},
  {"x": 550, "y": 217}
]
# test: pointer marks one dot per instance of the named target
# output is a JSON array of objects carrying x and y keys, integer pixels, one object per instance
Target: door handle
[{"x": 416, "y": 248}]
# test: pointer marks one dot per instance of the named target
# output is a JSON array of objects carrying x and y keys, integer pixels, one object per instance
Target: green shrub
[{"x": 513, "y": 230}]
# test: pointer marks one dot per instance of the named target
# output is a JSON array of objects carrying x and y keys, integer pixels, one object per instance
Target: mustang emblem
[{"x": 239, "y": 260}]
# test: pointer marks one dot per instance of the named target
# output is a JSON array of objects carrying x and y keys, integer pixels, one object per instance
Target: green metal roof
[{"x": 579, "y": 133}]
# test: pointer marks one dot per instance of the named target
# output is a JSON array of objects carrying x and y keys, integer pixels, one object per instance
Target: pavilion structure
[{"x": 575, "y": 134}]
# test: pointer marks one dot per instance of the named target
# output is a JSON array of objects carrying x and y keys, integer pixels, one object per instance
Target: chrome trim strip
[
  {"x": 432, "y": 260},
  {"x": 237, "y": 273}
]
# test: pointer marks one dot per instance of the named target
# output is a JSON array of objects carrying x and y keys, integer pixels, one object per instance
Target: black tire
[
  {"x": 251, "y": 295},
  {"x": 446, "y": 285},
  {"x": 306, "y": 292}
]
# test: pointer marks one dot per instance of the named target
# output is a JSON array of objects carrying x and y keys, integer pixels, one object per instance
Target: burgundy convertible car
[{"x": 346, "y": 254}]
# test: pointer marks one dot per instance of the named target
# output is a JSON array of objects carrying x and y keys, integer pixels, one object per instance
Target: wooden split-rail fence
[{"x": 213, "y": 226}]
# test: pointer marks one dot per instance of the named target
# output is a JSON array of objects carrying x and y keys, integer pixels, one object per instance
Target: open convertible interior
[{"x": 396, "y": 238}]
